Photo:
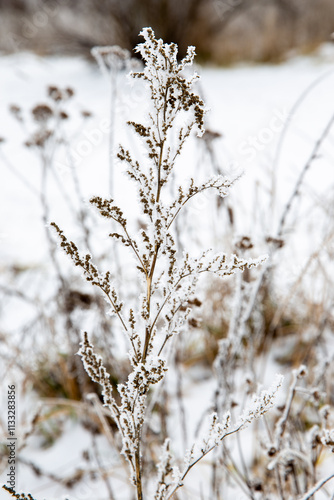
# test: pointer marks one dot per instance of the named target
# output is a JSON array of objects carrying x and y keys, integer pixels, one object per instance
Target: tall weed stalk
[{"x": 167, "y": 280}]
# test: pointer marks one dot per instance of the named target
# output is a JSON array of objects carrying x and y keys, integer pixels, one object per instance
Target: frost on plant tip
[
  {"x": 262, "y": 403},
  {"x": 171, "y": 91}
]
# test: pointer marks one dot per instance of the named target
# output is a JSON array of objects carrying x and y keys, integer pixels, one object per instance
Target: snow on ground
[{"x": 249, "y": 106}]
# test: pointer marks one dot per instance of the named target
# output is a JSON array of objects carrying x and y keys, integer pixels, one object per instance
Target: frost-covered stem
[
  {"x": 281, "y": 424},
  {"x": 99, "y": 464},
  {"x": 139, "y": 486},
  {"x": 168, "y": 336},
  {"x": 257, "y": 288},
  {"x": 234, "y": 471},
  {"x": 214, "y": 476},
  {"x": 135, "y": 251},
  {"x": 279, "y": 483},
  {"x": 295, "y": 480},
  {"x": 159, "y": 172},
  {"x": 179, "y": 396},
  {"x": 155, "y": 250},
  {"x": 82, "y": 213},
  {"x": 61, "y": 187},
  {"x": 317, "y": 487},
  {"x": 236, "y": 309},
  {"x": 115, "y": 309},
  {"x": 188, "y": 198},
  {"x": 285, "y": 213},
  {"x": 308, "y": 164},
  {"x": 18, "y": 174},
  {"x": 113, "y": 98},
  {"x": 45, "y": 216},
  {"x": 194, "y": 462},
  {"x": 149, "y": 278},
  {"x": 164, "y": 303},
  {"x": 98, "y": 407},
  {"x": 293, "y": 112},
  {"x": 149, "y": 281},
  {"x": 244, "y": 468}
]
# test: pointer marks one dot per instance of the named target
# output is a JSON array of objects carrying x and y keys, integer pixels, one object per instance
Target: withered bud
[
  {"x": 245, "y": 243},
  {"x": 70, "y": 92},
  {"x": 86, "y": 114},
  {"x": 211, "y": 135},
  {"x": 42, "y": 113},
  {"x": 16, "y": 111},
  {"x": 195, "y": 302},
  {"x": 257, "y": 485},
  {"x": 278, "y": 242},
  {"x": 193, "y": 322},
  {"x": 272, "y": 451},
  {"x": 54, "y": 92},
  {"x": 58, "y": 94}
]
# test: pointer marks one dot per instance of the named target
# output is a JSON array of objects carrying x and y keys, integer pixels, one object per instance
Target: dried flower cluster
[
  {"x": 47, "y": 116},
  {"x": 112, "y": 59},
  {"x": 19, "y": 496}
]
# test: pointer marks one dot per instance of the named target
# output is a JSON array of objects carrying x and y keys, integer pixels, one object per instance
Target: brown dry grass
[{"x": 265, "y": 31}]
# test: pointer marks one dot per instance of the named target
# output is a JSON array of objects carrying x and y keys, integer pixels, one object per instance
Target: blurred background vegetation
[{"x": 224, "y": 31}]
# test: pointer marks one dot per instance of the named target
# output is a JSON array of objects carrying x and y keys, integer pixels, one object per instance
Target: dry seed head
[
  {"x": 39, "y": 139},
  {"x": 16, "y": 111},
  {"x": 57, "y": 94},
  {"x": 42, "y": 113},
  {"x": 111, "y": 58},
  {"x": 63, "y": 115},
  {"x": 86, "y": 114}
]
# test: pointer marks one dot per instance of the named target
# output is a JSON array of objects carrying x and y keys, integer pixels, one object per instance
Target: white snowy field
[
  {"x": 248, "y": 105},
  {"x": 264, "y": 136}
]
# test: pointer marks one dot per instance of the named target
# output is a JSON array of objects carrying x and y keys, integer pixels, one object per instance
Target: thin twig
[
  {"x": 293, "y": 110},
  {"x": 190, "y": 466},
  {"x": 317, "y": 487},
  {"x": 18, "y": 174},
  {"x": 313, "y": 156},
  {"x": 104, "y": 476}
]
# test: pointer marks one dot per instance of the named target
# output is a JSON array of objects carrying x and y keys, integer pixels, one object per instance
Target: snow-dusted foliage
[
  {"x": 261, "y": 403},
  {"x": 217, "y": 431},
  {"x": 167, "y": 280}
]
